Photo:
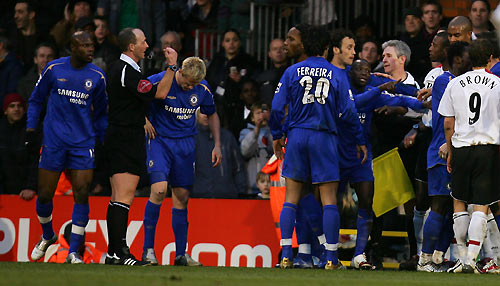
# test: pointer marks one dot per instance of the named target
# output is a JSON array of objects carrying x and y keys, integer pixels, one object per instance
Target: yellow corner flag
[{"x": 392, "y": 185}]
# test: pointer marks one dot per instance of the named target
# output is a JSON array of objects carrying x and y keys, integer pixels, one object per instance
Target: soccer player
[
  {"x": 460, "y": 29},
  {"x": 366, "y": 99},
  {"x": 75, "y": 119},
  {"x": 312, "y": 91},
  {"x": 470, "y": 105},
  {"x": 171, "y": 153},
  {"x": 439, "y": 224}
]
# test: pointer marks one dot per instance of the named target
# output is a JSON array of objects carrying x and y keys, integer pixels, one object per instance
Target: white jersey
[
  {"x": 474, "y": 100},
  {"x": 429, "y": 83},
  {"x": 410, "y": 80}
]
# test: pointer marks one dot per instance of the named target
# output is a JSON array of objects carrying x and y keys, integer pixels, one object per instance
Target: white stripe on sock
[
  {"x": 76, "y": 229},
  {"x": 305, "y": 248},
  {"x": 44, "y": 220},
  {"x": 286, "y": 242},
  {"x": 331, "y": 246}
]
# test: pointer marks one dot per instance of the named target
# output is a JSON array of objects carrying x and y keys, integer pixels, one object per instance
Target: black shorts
[
  {"x": 125, "y": 149},
  {"x": 475, "y": 174}
]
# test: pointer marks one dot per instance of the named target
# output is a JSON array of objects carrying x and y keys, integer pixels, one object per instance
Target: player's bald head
[
  {"x": 460, "y": 29},
  {"x": 461, "y": 21},
  {"x": 79, "y": 37},
  {"x": 360, "y": 62}
]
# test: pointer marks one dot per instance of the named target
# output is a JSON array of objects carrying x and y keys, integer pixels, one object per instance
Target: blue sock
[
  {"x": 365, "y": 219},
  {"x": 304, "y": 233},
  {"x": 447, "y": 233},
  {"x": 497, "y": 219},
  {"x": 432, "y": 231},
  {"x": 418, "y": 226},
  {"x": 314, "y": 215},
  {"x": 180, "y": 227},
  {"x": 44, "y": 212},
  {"x": 151, "y": 215},
  {"x": 80, "y": 219},
  {"x": 331, "y": 225},
  {"x": 287, "y": 223}
]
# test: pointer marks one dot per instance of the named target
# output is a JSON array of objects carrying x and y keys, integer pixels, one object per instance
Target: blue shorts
[
  {"x": 438, "y": 181},
  {"x": 56, "y": 159},
  {"x": 356, "y": 174},
  {"x": 311, "y": 154},
  {"x": 171, "y": 160}
]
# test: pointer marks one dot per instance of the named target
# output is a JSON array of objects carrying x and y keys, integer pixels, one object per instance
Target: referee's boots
[{"x": 125, "y": 258}]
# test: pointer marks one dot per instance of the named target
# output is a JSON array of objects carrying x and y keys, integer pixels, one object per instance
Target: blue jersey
[
  {"x": 366, "y": 102},
  {"x": 438, "y": 137},
  {"x": 316, "y": 94},
  {"x": 77, "y": 105},
  {"x": 174, "y": 116}
]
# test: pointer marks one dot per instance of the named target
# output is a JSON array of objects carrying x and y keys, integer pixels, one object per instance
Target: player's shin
[
  {"x": 287, "y": 222},
  {"x": 44, "y": 212},
  {"x": 80, "y": 219},
  {"x": 461, "y": 222},
  {"x": 151, "y": 215},
  {"x": 363, "y": 224},
  {"x": 180, "y": 228},
  {"x": 331, "y": 225},
  {"x": 477, "y": 232}
]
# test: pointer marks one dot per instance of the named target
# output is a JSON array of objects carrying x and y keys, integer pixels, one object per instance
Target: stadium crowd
[{"x": 392, "y": 84}]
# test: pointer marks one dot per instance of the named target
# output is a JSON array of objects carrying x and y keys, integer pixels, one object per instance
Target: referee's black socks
[{"x": 117, "y": 220}]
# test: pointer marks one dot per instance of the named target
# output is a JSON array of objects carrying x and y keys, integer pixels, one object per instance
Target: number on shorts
[
  {"x": 320, "y": 93},
  {"x": 475, "y": 107}
]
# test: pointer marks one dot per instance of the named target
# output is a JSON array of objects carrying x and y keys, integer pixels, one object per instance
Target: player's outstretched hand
[
  {"x": 216, "y": 156},
  {"x": 382, "y": 75},
  {"x": 278, "y": 148},
  {"x": 389, "y": 86},
  {"x": 362, "y": 148},
  {"x": 170, "y": 55},
  {"x": 424, "y": 93},
  {"x": 427, "y": 104}
]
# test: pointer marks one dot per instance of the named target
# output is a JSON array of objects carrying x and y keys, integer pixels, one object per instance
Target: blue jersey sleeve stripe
[
  {"x": 102, "y": 75},
  {"x": 50, "y": 67}
]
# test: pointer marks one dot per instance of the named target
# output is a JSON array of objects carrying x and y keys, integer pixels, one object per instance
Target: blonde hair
[{"x": 194, "y": 68}]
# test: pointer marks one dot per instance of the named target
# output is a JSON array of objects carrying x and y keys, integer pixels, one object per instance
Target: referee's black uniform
[{"x": 129, "y": 94}]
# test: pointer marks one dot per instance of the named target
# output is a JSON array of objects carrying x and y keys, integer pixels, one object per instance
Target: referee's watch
[{"x": 172, "y": 67}]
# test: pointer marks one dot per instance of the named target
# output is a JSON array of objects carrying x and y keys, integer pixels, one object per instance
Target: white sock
[
  {"x": 424, "y": 258},
  {"x": 305, "y": 248},
  {"x": 489, "y": 245},
  {"x": 437, "y": 257},
  {"x": 461, "y": 222},
  {"x": 477, "y": 232}
]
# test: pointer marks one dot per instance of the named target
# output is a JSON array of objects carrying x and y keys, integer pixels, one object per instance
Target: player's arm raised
[{"x": 166, "y": 82}]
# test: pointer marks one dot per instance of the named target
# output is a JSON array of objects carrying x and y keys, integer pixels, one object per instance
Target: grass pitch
[{"x": 12, "y": 273}]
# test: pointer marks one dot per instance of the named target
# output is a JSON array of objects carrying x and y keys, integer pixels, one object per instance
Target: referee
[{"x": 129, "y": 94}]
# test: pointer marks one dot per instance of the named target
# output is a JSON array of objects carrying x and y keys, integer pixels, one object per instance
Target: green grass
[{"x": 12, "y": 273}]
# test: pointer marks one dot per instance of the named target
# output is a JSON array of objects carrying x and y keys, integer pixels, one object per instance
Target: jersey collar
[{"x": 130, "y": 61}]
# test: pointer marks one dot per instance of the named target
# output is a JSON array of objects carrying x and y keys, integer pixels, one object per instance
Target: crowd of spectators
[{"x": 32, "y": 33}]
